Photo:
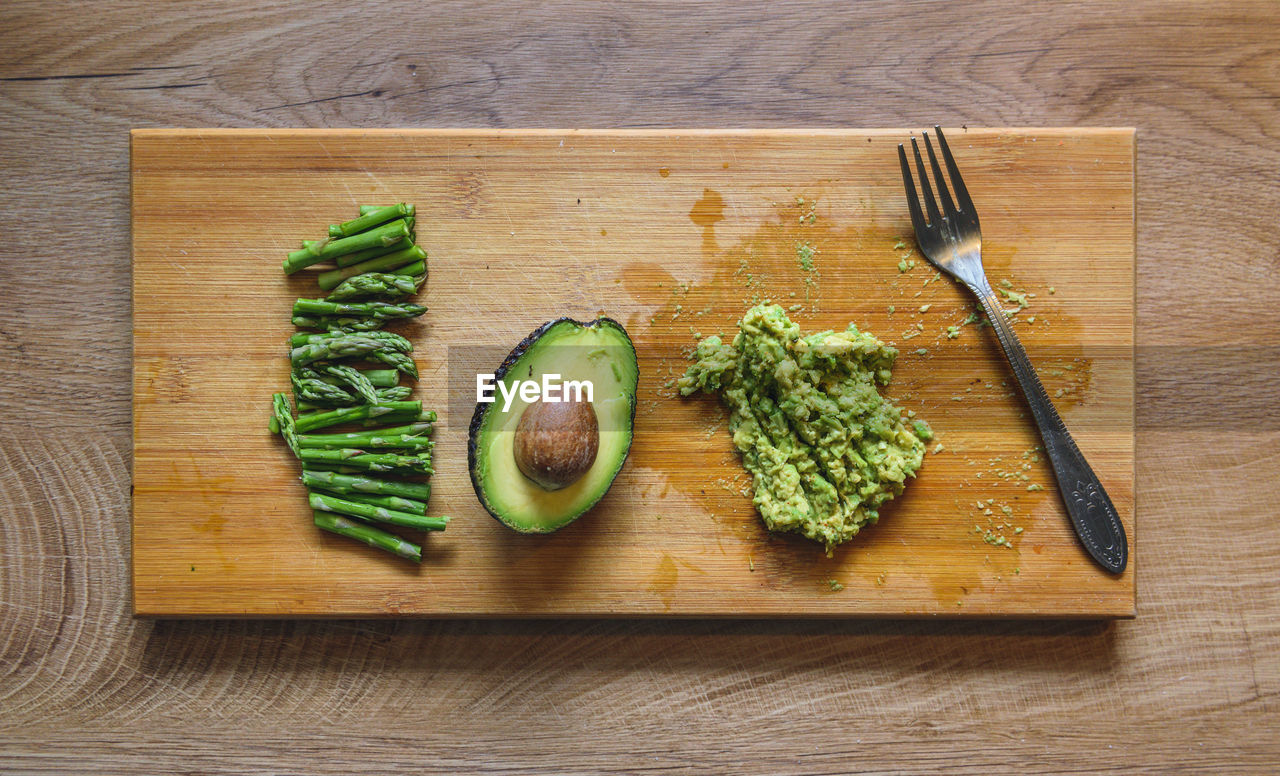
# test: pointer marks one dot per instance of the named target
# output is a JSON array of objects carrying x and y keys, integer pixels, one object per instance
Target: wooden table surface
[{"x": 1192, "y": 684}]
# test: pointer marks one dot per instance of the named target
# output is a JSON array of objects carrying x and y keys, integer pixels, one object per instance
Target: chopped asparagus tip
[
  {"x": 358, "y": 483},
  {"x": 412, "y": 254},
  {"x": 284, "y": 422},
  {"x": 382, "y": 236},
  {"x": 339, "y": 340},
  {"x": 387, "y": 502},
  {"x": 377, "y": 441},
  {"x": 400, "y": 361},
  {"x": 368, "y": 220},
  {"x": 417, "y": 269},
  {"x": 382, "y": 310},
  {"x": 381, "y": 396},
  {"x": 353, "y": 346},
  {"x": 375, "y": 285},
  {"x": 412, "y": 433},
  {"x": 372, "y": 253},
  {"x": 338, "y": 323},
  {"x": 417, "y": 463},
  {"x": 396, "y": 411},
  {"x": 377, "y": 514},
  {"x": 356, "y": 379},
  {"x": 368, "y": 534}
]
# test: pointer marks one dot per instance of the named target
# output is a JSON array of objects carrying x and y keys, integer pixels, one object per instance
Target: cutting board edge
[{"x": 903, "y": 132}]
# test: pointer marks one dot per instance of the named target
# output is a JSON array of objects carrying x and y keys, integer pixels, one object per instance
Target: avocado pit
[{"x": 556, "y": 443}]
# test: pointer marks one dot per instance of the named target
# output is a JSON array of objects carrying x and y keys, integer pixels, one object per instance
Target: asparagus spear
[
  {"x": 373, "y": 285},
  {"x": 370, "y": 208},
  {"x": 336, "y": 323},
  {"x": 381, "y": 442},
  {"x": 358, "y": 382},
  {"x": 345, "y": 345},
  {"x": 283, "y": 417},
  {"x": 370, "y": 535},
  {"x": 369, "y": 220},
  {"x": 386, "y": 502},
  {"x": 321, "y": 502},
  {"x": 347, "y": 483},
  {"x": 391, "y": 340},
  {"x": 408, "y": 255},
  {"x": 418, "y": 269},
  {"x": 315, "y": 251},
  {"x": 330, "y": 467},
  {"x": 382, "y": 310},
  {"x": 411, "y": 436},
  {"x": 395, "y": 411},
  {"x": 380, "y": 396},
  {"x": 378, "y": 378},
  {"x": 373, "y": 253},
  {"x": 313, "y": 389},
  {"x": 398, "y": 360},
  {"x": 418, "y": 463}
]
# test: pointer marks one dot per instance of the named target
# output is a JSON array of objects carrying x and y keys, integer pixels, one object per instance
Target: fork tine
[
  {"x": 948, "y": 207},
  {"x": 913, "y": 200},
  {"x": 930, "y": 204},
  {"x": 957, "y": 183}
]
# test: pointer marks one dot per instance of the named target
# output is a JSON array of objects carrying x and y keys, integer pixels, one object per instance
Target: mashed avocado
[{"x": 823, "y": 447}]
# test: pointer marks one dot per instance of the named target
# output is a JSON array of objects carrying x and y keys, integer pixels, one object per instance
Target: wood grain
[
  {"x": 668, "y": 232},
  {"x": 1189, "y": 686}
]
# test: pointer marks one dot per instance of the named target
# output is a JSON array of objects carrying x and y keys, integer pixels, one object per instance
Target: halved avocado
[{"x": 599, "y": 351}]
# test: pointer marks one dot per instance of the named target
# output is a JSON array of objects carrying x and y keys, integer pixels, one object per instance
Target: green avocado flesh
[
  {"x": 600, "y": 352},
  {"x": 823, "y": 447}
]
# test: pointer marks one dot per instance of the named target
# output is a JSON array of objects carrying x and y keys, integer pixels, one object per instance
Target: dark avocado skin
[{"x": 477, "y": 417}]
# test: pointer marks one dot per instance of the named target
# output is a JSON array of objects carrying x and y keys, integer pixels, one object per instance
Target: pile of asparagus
[{"x": 373, "y": 475}]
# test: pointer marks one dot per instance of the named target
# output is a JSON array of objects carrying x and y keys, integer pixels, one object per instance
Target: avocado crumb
[
  {"x": 924, "y": 308},
  {"x": 953, "y": 332},
  {"x": 891, "y": 309},
  {"x": 804, "y": 254},
  {"x": 1035, "y": 486},
  {"x": 1053, "y": 290},
  {"x": 1019, "y": 299},
  {"x": 1005, "y": 283},
  {"x": 937, "y": 448},
  {"x": 834, "y": 585},
  {"x": 922, "y": 351},
  {"x": 899, "y": 245},
  {"x": 922, "y": 430}
]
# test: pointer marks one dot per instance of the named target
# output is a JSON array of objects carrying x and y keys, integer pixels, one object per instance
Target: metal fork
[{"x": 952, "y": 241}]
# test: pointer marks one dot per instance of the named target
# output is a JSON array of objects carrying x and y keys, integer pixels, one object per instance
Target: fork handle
[{"x": 1090, "y": 509}]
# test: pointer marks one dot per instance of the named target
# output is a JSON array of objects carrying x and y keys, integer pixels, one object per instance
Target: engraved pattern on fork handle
[{"x": 1092, "y": 514}]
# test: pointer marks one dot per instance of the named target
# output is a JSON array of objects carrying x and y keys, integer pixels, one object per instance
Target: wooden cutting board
[{"x": 672, "y": 233}]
